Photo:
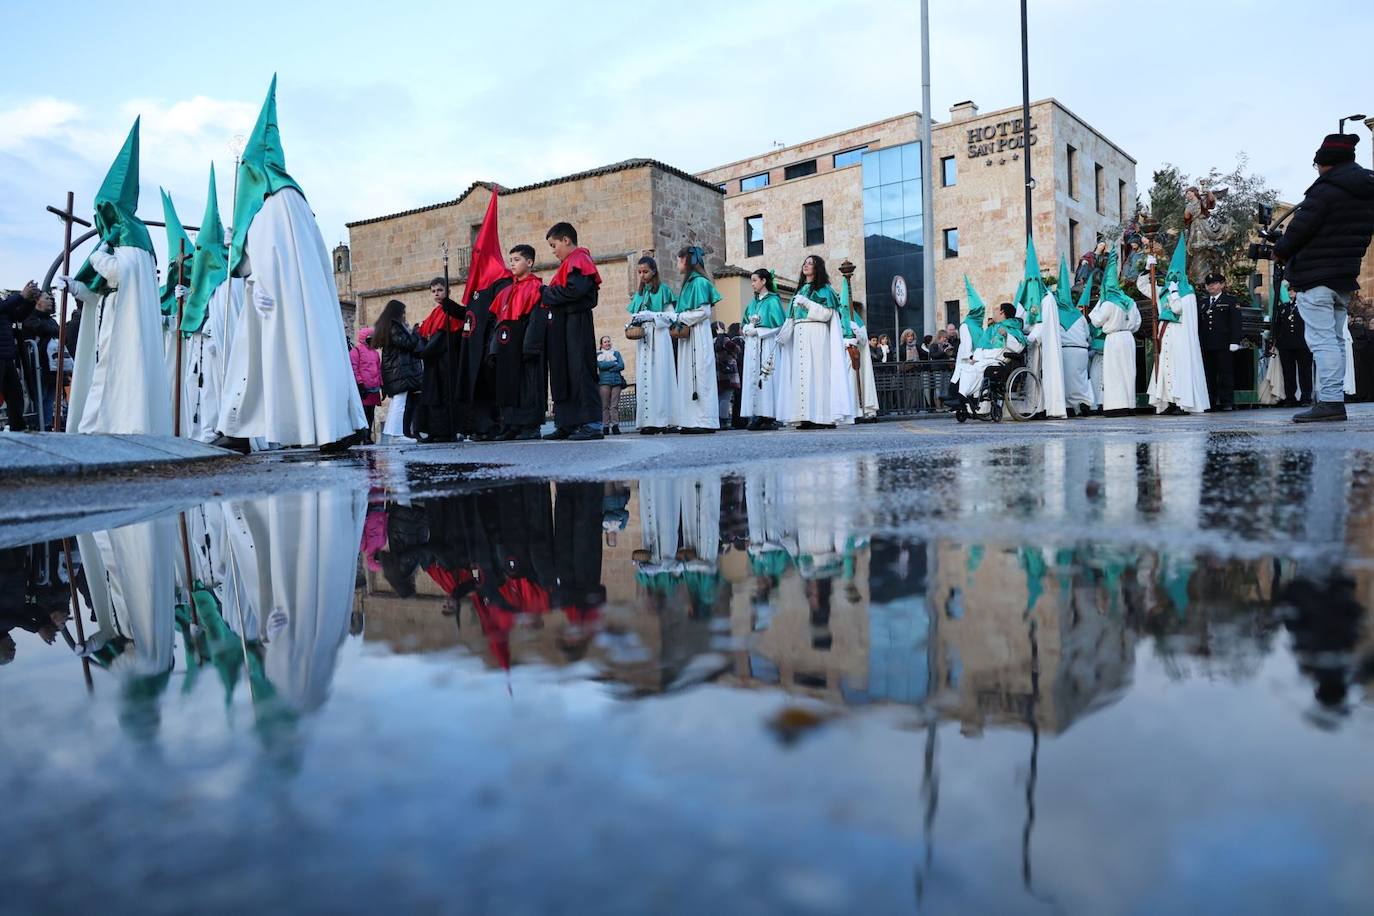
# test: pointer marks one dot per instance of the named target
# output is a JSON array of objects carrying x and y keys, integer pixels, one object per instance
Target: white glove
[
  {"x": 263, "y": 302},
  {"x": 663, "y": 320},
  {"x": 180, "y": 291},
  {"x": 1150, "y": 261},
  {"x": 750, "y": 331},
  {"x": 228, "y": 237},
  {"x": 64, "y": 282},
  {"x": 1235, "y": 348}
]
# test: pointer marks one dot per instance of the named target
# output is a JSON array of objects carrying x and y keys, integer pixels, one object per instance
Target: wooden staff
[
  {"x": 71, "y": 585},
  {"x": 67, "y": 218},
  {"x": 181, "y": 308},
  {"x": 847, "y": 269},
  {"x": 1154, "y": 300}
]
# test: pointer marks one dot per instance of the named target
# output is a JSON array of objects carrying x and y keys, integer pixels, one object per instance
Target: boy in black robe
[
  {"x": 517, "y": 349},
  {"x": 571, "y": 344}
]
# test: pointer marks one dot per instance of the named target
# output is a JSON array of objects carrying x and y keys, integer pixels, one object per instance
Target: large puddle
[{"x": 1117, "y": 676}]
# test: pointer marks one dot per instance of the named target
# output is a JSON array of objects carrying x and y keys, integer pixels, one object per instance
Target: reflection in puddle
[{"x": 929, "y": 626}]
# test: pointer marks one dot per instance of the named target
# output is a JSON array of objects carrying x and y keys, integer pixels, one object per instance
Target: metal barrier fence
[
  {"x": 32, "y": 382},
  {"x": 906, "y": 389}
]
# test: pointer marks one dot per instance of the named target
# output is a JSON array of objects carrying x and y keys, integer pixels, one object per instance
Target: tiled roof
[{"x": 590, "y": 173}]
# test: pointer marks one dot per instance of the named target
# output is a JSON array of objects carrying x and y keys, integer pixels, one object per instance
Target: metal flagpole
[
  {"x": 1025, "y": 118},
  {"x": 927, "y": 188},
  {"x": 67, "y": 219}
]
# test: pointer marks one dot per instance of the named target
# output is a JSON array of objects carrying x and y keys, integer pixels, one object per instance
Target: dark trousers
[
  {"x": 1220, "y": 369},
  {"x": 1297, "y": 371},
  {"x": 14, "y": 393}
]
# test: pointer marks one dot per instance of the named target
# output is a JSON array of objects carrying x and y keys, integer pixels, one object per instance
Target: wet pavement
[{"x": 1125, "y": 669}]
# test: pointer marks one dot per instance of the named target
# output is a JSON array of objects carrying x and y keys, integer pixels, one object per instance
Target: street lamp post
[
  {"x": 1340, "y": 127},
  {"x": 927, "y": 188},
  {"x": 1025, "y": 118}
]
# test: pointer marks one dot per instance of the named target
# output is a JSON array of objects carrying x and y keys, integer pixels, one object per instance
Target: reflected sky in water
[{"x": 1104, "y": 675}]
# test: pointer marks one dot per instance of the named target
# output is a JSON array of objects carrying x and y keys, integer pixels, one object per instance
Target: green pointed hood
[
  {"x": 1284, "y": 295},
  {"x": 1033, "y": 288},
  {"x": 973, "y": 321},
  {"x": 210, "y": 267},
  {"x": 116, "y": 208},
  {"x": 262, "y": 173},
  {"x": 1111, "y": 284},
  {"x": 1063, "y": 297},
  {"x": 1178, "y": 270},
  {"x": 177, "y": 243}
]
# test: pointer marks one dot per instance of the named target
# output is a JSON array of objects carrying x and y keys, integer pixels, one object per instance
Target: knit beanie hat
[{"x": 1336, "y": 148}]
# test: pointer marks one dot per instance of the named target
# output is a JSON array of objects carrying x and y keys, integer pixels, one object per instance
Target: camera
[{"x": 1263, "y": 250}]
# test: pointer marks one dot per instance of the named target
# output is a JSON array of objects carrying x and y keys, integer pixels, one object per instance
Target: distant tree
[{"x": 1239, "y": 192}]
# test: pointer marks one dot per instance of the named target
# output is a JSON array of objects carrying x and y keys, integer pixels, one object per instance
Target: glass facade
[
  {"x": 849, "y": 157},
  {"x": 893, "y": 236}
]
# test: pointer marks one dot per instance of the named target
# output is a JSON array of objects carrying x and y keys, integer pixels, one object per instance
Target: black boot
[
  {"x": 1322, "y": 412},
  {"x": 233, "y": 444}
]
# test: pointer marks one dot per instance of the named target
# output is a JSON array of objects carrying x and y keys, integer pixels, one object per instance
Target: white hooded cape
[
  {"x": 1118, "y": 353},
  {"x": 1178, "y": 377},
  {"x": 120, "y": 382},
  {"x": 289, "y": 378}
]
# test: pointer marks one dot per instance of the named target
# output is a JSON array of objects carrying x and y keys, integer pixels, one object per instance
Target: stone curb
[{"x": 70, "y": 455}]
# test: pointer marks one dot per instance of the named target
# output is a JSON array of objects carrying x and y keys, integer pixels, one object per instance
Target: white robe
[
  {"x": 1095, "y": 362},
  {"x": 758, "y": 393},
  {"x": 1349, "y": 359},
  {"x": 963, "y": 374},
  {"x": 659, "y": 515},
  {"x": 1271, "y": 390},
  {"x": 300, "y": 574},
  {"x": 1178, "y": 377},
  {"x": 696, "y": 403},
  {"x": 1075, "y": 343},
  {"x": 1051, "y": 369},
  {"x": 699, "y": 502},
  {"x": 867, "y": 404},
  {"x": 784, "y": 363},
  {"x": 1118, "y": 353},
  {"x": 655, "y": 373},
  {"x": 289, "y": 378},
  {"x": 119, "y": 380},
  {"x": 818, "y": 358},
  {"x": 130, "y": 574},
  {"x": 206, "y": 362}
]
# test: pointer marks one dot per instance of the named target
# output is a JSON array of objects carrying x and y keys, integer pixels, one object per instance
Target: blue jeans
[{"x": 1323, "y": 311}]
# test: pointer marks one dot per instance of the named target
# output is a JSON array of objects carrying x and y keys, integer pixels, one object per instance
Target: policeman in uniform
[
  {"x": 1219, "y": 335},
  {"x": 1291, "y": 342}
]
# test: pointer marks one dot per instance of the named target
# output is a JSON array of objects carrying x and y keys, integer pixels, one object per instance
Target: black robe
[
  {"x": 438, "y": 415},
  {"x": 571, "y": 352},
  {"x": 476, "y": 378},
  {"x": 520, "y": 370}
]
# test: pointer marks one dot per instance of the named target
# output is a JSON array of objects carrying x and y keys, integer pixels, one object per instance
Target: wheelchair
[{"x": 1010, "y": 387}]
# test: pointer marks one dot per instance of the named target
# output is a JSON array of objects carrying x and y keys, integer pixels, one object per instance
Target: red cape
[
  {"x": 580, "y": 260},
  {"x": 525, "y": 596},
  {"x": 488, "y": 258},
  {"x": 439, "y": 320},
  {"x": 517, "y": 300}
]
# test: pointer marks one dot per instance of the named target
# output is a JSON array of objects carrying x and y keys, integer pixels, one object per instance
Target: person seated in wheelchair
[{"x": 1000, "y": 352}]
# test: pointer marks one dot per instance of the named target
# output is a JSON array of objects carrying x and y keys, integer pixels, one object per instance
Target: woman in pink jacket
[{"x": 367, "y": 371}]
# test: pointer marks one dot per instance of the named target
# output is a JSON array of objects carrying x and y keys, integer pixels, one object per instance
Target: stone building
[
  {"x": 858, "y": 195},
  {"x": 621, "y": 211}
]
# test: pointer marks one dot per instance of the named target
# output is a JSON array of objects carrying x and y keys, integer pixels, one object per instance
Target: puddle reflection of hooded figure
[
  {"x": 297, "y": 556},
  {"x": 129, "y": 573}
]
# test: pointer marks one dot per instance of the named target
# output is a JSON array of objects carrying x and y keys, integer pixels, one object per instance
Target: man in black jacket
[
  {"x": 1291, "y": 343},
  {"x": 1219, "y": 333},
  {"x": 41, "y": 328},
  {"x": 15, "y": 307},
  {"x": 1322, "y": 247}
]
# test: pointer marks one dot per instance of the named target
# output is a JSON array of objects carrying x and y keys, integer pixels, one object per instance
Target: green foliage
[{"x": 1245, "y": 191}]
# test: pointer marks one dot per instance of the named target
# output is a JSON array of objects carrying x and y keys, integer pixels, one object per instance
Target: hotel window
[
  {"x": 754, "y": 182},
  {"x": 813, "y": 222},
  {"x": 723, "y": 188},
  {"x": 949, "y": 171},
  {"x": 1121, "y": 198},
  {"x": 951, "y": 243},
  {"x": 1073, "y": 172},
  {"x": 1073, "y": 244},
  {"x": 952, "y": 312},
  {"x": 849, "y": 157},
  {"x": 753, "y": 236},
  {"x": 799, "y": 170},
  {"x": 1099, "y": 188}
]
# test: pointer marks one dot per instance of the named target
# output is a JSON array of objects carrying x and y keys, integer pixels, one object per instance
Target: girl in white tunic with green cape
[
  {"x": 119, "y": 381},
  {"x": 655, "y": 366},
  {"x": 289, "y": 378},
  {"x": 819, "y": 356},
  {"x": 1116, "y": 314},
  {"x": 962, "y": 380},
  {"x": 1178, "y": 382},
  {"x": 763, "y": 321},
  {"x": 695, "y": 407}
]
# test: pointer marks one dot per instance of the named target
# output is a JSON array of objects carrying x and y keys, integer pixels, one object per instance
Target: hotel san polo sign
[{"x": 999, "y": 139}]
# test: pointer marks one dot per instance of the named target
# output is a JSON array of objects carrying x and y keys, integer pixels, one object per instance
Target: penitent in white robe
[
  {"x": 655, "y": 372},
  {"x": 1178, "y": 377},
  {"x": 289, "y": 379},
  {"x": 130, "y": 574},
  {"x": 865, "y": 404},
  {"x": 1118, "y": 353},
  {"x": 963, "y": 373},
  {"x": 759, "y": 391},
  {"x": 659, "y": 515},
  {"x": 696, "y": 403},
  {"x": 818, "y": 348},
  {"x": 1051, "y": 367},
  {"x": 297, "y": 555},
  {"x": 1349, "y": 359},
  {"x": 206, "y": 362},
  {"x": 119, "y": 380},
  {"x": 1075, "y": 342}
]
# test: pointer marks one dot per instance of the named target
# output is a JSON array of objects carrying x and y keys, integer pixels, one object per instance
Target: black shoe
[
  {"x": 696, "y": 431},
  {"x": 586, "y": 434},
  {"x": 650, "y": 430},
  {"x": 1321, "y": 412},
  {"x": 233, "y": 444},
  {"x": 560, "y": 434},
  {"x": 343, "y": 445},
  {"x": 615, "y": 430},
  {"x": 1173, "y": 410},
  {"x": 525, "y": 435},
  {"x": 1227, "y": 408},
  {"x": 755, "y": 424},
  {"x": 511, "y": 434}
]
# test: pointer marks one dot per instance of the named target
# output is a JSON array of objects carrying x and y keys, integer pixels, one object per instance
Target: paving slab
[{"x": 69, "y": 454}]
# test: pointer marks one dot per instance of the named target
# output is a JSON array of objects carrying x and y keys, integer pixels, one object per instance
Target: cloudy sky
[{"x": 386, "y": 106}]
